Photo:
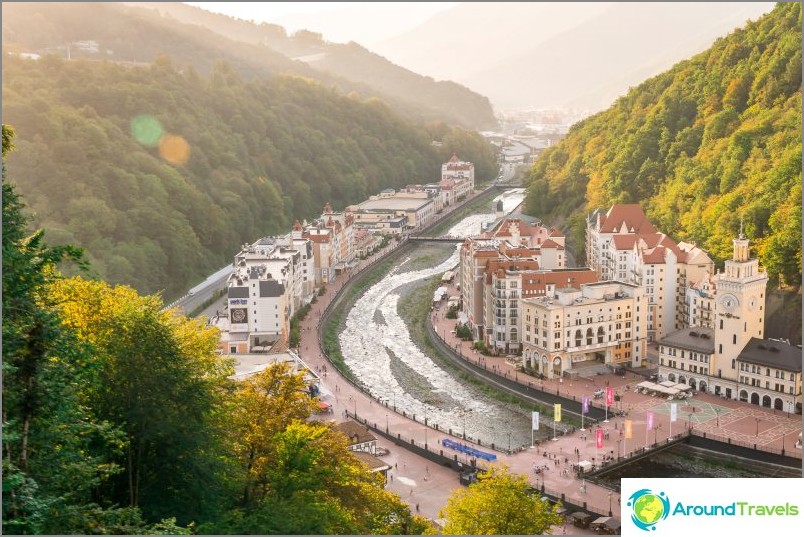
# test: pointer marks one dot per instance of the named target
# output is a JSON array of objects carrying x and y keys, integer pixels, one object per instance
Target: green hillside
[
  {"x": 192, "y": 36},
  {"x": 714, "y": 139},
  {"x": 261, "y": 153}
]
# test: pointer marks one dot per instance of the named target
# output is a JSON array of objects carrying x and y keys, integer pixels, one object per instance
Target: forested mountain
[
  {"x": 134, "y": 34},
  {"x": 715, "y": 139},
  {"x": 102, "y": 161}
]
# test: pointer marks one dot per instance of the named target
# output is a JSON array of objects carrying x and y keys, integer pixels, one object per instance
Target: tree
[
  {"x": 160, "y": 380},
  {"x": 311, "y": 484},
  {"x": 499, "y": 503}
]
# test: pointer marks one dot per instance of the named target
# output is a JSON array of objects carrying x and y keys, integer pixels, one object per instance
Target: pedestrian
[
  {"x": 411, "y": 492},
  {"x": 417, "y": 507},
  {"x": 396, "y": 466},
  {"x": 392, "y": 477}
]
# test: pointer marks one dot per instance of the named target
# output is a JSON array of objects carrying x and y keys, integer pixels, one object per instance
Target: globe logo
[{"x": 648, "y": 508}]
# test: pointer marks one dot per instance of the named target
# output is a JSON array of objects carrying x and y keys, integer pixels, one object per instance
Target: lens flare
[
  {"x": 174, "y": 149},
  {"x": 146, "y": 130}
]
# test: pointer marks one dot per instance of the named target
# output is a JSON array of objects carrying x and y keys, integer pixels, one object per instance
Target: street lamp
[
  {"x": 386, "y": 423},
  {"x": 757, "y": 426},
  {"x": 618, "y": 447},
  {"x": 610, "y": 495},
  {"x": 656, "y": 434},
  {"x": 425, "y": 426}
]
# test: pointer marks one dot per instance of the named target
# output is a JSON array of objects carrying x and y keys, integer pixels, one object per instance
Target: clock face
[
  {"x": 729, "y": 303},
  {"x": 752, "y": 303},
  {"x": 239, "y": 315}
]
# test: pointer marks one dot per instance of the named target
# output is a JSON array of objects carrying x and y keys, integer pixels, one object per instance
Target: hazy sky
[{"x": 339, "y": 22}]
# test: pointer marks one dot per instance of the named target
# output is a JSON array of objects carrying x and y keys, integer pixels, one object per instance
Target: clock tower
[{"x": 739, "y": 308}]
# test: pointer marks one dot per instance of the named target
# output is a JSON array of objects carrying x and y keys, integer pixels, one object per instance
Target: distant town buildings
[{"x": 276, "y": 276}]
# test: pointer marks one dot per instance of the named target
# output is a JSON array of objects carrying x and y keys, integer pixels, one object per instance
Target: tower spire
[{"x": 741, "y": 227}]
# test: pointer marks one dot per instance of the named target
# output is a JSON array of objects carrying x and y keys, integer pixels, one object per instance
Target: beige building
[
  {"x": 394, "y": 212},
  {"x": 686, "y": 356},
  {"x": 599, "y": 324},
  {"x": 770, "y": 374}
]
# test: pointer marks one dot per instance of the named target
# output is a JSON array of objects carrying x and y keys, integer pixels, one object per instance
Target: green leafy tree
[
  {"x": 160, "y": 380},
  {"x": 499, "y": 503}
]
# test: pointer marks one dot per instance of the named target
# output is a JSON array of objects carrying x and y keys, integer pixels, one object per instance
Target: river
[{"x": 377, "y": 347}]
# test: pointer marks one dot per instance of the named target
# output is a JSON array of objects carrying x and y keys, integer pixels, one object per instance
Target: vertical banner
[
  {"x": 609, "y": 396},
  {"x": 557, "y": 412},
  {"x": 585, "y": 407},
  {"x": 628, "y": 428},
  {"x": 599, "y": 436},
  {"x": 650, "y": 420},
  {"x": 535, "y": 426},
  {"x": 673, "y": 411}
]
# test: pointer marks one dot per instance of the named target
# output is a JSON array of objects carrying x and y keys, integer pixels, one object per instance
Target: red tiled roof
[
  {"x": 549, "y": 243},
  {"x": 624, "y": 242},
  {"x": 556, "y": 233},
  {"x": 631, "y": 214}
]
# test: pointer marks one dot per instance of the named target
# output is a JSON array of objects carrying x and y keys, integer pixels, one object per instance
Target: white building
[{"x": 623, "y": 245}]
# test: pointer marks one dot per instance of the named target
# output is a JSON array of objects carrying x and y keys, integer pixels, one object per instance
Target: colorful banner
[
  {"x": 599, "y": 437},
  {"x": 650, "y": 420},
  {"x": 557, "y": 412},
  {"x": 535, "y": 421},
  {"x": 609, "y": 396},
  {"x": 673, "y": 411},
  {"x": 585, "y": 408},
  {"x": 628, "y": 428}
]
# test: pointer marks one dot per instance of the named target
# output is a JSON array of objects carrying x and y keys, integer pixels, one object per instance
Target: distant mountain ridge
[
  {"x": 189, "y": 35},
  {"x": 563, "y": 54}
]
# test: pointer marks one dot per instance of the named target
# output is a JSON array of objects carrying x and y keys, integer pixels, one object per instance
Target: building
[
  {"x": 259, "y": 304},
  {"x": 739, "y": 306},
  {"x": 623, "y": 245},
  {"x": 394, "y": 212},
  {"x": 507, "y": 282},
  {"x": 458, "y": 170},
  {"x": 686, "y": 356},
  {"x": 599, "y": 325},
  {"x": 770, "y": 374},
  {"x": 359, "y": 437},
  {"x": 497, "y": 257},
  {"x": 730, "y": 309},
  {"x": 700, "y": 302}
]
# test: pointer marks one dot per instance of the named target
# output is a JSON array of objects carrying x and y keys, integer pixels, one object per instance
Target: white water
[{"x": 368, "y": 346}]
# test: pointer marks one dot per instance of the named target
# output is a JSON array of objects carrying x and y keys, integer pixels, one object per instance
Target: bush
[
  {"x": 463, "y": 331},
  {"x": 452, "y": 313}
]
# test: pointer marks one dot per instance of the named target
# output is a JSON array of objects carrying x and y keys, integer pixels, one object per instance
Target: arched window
[
  {"x": 589, "y": 336},
  {"x": 578, "y": 337},
  {"x": 600, "y": 334},
  {"x": 514, "y": 336}
]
